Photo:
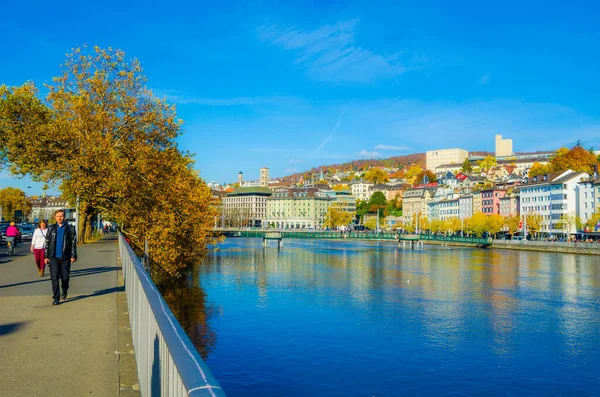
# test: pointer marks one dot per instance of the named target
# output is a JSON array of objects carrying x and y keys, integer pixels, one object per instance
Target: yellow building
[
  {"x": 303, "y": 208},
  {"x": 435, "y": 158}
]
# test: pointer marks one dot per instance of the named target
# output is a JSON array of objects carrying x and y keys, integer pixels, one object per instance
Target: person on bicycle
[{"x": 11, "y": 234}]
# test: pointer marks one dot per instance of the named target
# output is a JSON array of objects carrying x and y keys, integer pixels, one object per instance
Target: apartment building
[
  {"x": 554, "y": 197},
  {"x": 361, "y": 190},
  {"x": 509, "y": 205},
  {"x": 435, "y": 158},
  {"x": 342, "y": 200},
  {"x": 588, "y": 202},
  {"x": 477, "y": 203},
  {"x": 415, "y": 201},
  {"x": 245, "y": 206},
  {"x": 444, "y": 209},
  {"x": 297, "y": 208},
  {"x": 465, "y": 204},
  {"x": 490, "y": 201}
]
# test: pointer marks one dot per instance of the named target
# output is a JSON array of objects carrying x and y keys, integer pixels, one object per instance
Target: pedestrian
[
  {"x": 61, "y": 252},
  {"x": 11, "y": 234},
  {"x": 38, "y": 243}
]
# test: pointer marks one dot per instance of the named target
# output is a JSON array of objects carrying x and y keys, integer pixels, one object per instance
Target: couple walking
[{"x": 56, "y": 246}]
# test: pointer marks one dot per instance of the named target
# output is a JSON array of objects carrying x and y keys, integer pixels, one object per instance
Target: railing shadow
[
  {"x": 155, "y": 381},
  {"x": 74, "y": 273},
  {"x": 6, "y": 329},
  {"x": 96, "y": 293}
]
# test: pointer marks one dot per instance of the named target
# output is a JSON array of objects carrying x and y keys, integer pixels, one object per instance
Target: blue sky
[{"x": 291, "y": 85}]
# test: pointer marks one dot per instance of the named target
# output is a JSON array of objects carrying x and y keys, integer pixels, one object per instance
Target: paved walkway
[{"x": 67, "y": 350}]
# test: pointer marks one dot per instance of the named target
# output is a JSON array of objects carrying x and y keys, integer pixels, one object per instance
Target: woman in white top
[{"x": 38, "y": 244}]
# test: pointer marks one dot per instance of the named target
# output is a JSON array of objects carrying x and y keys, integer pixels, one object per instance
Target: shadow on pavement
[
  {"x": 10, "y": 328},
  {"x": 96, "y": 293},
  {"x": 74, "y": 273}
]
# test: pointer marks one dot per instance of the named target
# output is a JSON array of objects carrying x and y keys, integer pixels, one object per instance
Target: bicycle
[{"x": 10, "y": 247}]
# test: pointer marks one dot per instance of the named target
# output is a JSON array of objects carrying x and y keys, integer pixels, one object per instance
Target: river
[{"x": 337, "y": 318}]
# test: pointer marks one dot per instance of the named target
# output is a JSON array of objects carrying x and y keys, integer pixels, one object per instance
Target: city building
[
  {"x": 44, "y": 207},
  {"x": 444, "y": 209},
  {"x": 245, "y": 206},
  {"x": 435, "y": 158},
  {"x": 264, "y": 177},
  {"x": 360, "y": 190},
  {"x": 343, "y": 200},
  {"x": 240, "y": 179},
  {"x": 465, "y": 204},
  {"x": 415, "y": 201},
  {"x": 504, "y": 147},
  {"x": 490, "y": 201},
  {"x": 524, "y": 164},
  {"x": 297, "y": 208},
  {"x": 509, "y": 205},
  {"x": 587, "y": 204},
  {"x": 554, "y": 197},
  {"x": 477, "y": 203}
]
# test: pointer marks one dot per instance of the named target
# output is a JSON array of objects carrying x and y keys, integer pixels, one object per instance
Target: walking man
[{"x": 61, "y": 251}]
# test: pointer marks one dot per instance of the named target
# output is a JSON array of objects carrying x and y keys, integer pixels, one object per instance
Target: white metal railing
[{"x": 168, "y": 364}]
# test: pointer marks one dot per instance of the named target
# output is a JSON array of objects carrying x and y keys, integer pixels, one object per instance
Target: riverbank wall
[{"x": 543, "y": 246}]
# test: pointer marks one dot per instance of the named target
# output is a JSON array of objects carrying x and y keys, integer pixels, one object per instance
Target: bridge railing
[
  {"x": 457, "y": 239},
  {"x": 168, "y": 364}
]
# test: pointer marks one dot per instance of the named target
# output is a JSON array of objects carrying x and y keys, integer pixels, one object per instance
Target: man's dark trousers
[{"x": 59, "y": 268}]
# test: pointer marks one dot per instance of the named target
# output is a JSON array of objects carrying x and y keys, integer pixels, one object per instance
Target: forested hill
[
  {"x": 397, "y": 162},
  {"x": 392, "y": 163}
]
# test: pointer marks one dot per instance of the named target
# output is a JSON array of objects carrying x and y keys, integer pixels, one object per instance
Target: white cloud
[
  {"x": 483, "y": 80},
  {"x": 394, "y": 148},
  {"x": 365, "y": 154},
  {"x": 330, "y": 136},
  {"x": 295, "y": 161},
  {"x": 330, "y": 53},
  {"x": 179, "y": 97},
  {"x": 291, "y": 170}
]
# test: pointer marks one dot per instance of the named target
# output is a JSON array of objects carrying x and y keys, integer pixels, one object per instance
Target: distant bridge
[{"x": 411, "y": 239}]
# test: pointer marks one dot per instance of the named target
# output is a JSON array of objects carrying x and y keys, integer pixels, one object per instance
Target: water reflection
[
  {"x": 187, "y": 301},
  {"x": 443, "y": 313}
]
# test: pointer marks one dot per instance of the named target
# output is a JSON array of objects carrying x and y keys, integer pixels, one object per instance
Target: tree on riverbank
[{"x": 105, "y": 138}]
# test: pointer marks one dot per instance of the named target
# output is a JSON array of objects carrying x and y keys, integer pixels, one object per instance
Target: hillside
[
  {"x": 397, "y": 162},
  {"x": 394, "y": 163}
]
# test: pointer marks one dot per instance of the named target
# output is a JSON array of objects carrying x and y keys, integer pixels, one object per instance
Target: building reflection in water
[{"x": 455, "y": 294}]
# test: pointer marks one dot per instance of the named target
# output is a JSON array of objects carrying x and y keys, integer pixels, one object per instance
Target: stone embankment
[{"x": 544, "y": 246}]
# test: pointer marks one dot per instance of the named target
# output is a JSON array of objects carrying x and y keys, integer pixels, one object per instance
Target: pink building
[{"x": 490, "y": 201}]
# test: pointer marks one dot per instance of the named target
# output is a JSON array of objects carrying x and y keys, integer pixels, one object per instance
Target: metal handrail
[{"x": 168, "y": 364}]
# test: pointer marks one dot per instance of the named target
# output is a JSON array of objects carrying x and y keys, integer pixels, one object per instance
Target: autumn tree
[
  {"x": 413, "y": 173},
  {"x": 593, "y": 221},
  {"x": 104, "y": 137},
  {"x": 466, "y": 166},
  {"x": 577, "y": 159},
  {"x": 377, "y": 176},
  {"x": 539, "y": 169},
  {"x": 487, "y": 163},
  {"x": 340, "y": 188},
  {"x": 478, "y": 223},
  {"x": 512, "y": 223},
  {"x": 377, "y": 201},
  {"x": 534, "y": 223},
  {"x": 337, "y": 218},
  {"x": 430, "y": 176},
  {"x": 494, "y": 223},
  {"x": 11, "y": 200}
]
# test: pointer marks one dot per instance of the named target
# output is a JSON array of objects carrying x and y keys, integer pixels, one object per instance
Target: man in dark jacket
[{"x": 61, "y": 251}]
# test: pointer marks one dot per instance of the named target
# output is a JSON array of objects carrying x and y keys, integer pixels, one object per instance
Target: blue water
[{"x": 332, "y": 318}]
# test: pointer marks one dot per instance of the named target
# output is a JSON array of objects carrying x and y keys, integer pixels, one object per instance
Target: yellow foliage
[{"x": 107, "y": 140}]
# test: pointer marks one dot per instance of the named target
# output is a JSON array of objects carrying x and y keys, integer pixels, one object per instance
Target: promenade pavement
[{"x": 67, "y": 350}]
